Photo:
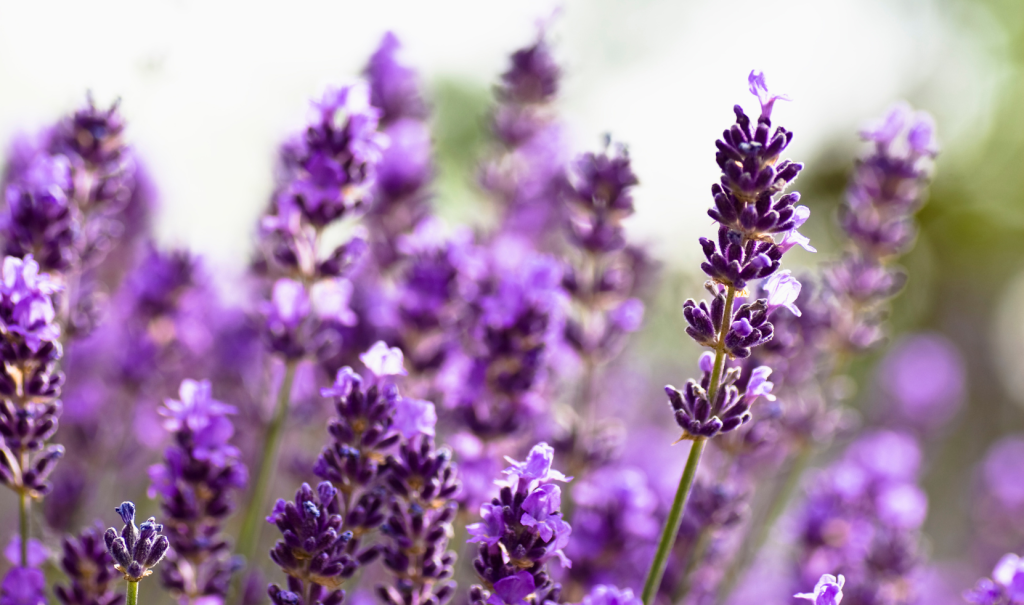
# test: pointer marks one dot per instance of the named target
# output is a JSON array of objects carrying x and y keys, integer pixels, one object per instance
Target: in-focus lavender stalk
[
  {"x": 751, "y": 211},
  {"x": 423, "y": 483},
  {"x": 519, "y": 532},
  {"x": 196, "y": 482},
  {"x": 315, "y": 551},
  {"x": 29, "y": 384},
  {"x": 136, "y": 550},
  {"x": 846, "y": 315},
  {"x": 360, "y": 436},
  {"x": 90, "y": 569}
]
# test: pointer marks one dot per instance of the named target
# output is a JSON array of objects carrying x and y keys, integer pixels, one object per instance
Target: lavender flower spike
[
  {"x": 828, "y": 591},
  {"x": 136, "y": 549},
  {"x": 90, "y": 567},
  {"x": 521, "y": 530},
  {"x": 314, "y": 551}
]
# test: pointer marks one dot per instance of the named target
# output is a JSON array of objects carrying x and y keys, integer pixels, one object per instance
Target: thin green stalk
[
  {"x": 132, "y": 598},
  {"x": 675, "y": 519},
  {"x": 675, "y": 515},
  {"x": 23, "y": 519},
  {"x": 249, "y": 538}
]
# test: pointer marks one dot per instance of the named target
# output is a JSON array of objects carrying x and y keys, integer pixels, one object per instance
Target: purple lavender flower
[
  {"x": 423, "y": 483},
  {"x": 330, "y": 172},
  {"x": 315, "y": 552},
  {"x": 863, "y": 514},
  {"x": 24, "y": 583},
  {"x": 828, "y": 590},
  {"x": 23, "y": 586},
  {"x": 196, "y": 481},
  {"x": 601, "y": 283},
  {"x": 67, "y": 198},
  {"x": 384, "y": 361},
  {"x": 782, "y": 290},
  {"x": 745, "y": 202},
  {"x": 698, "y": 416},
  {"x": 495, "y": 379},
  {"x": 394, "y": 87},
  {"x": 136, "y": 549},
  {"x": 90, "y": 568},
  {"x": 1006, "y": 586},
  {"x": 532, "y": 532}
]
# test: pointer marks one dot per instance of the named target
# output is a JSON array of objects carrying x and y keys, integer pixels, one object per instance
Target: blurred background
[{"x": 211, "y": 88}]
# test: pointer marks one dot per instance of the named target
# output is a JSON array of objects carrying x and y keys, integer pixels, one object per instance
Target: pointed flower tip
[{"x": 759, "y": 88}]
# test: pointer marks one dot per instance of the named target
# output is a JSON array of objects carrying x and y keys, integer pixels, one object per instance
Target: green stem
[
  {"x": 249, "y": 538},
  {"x": 675, "y": 519},
  {"x": 675, "y": 515},
  {"x": 132, "y": 598},
  {"x": 23, "y": 519}
]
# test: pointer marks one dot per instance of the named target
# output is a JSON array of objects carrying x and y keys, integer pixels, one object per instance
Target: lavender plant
[
  {"x": 751, "y": 210},
  {"x": 494, "y": 325}
]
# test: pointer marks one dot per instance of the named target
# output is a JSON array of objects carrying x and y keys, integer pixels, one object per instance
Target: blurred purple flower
[{"x": 925, "y": 376}]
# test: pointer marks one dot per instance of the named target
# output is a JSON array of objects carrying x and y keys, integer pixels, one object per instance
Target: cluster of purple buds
[
  {"x": 361, "y": 434},
  {"x": 326, "y": 174},
  {"x": 887, "y": 185},
  {"x": 315, "y": 552},
  {"x": 432, "y": 286},
  {"x": 529, "y": 175},
  {"x": 702, "y": 415},
  {"x": 519, "y": 532},
  {"x": 196, "y": 482},
  {"x": 1006, "y": 587},
  {"x": 136, "y": 550},
  {"x": 423, "y": 483},
  {"x": 496, "y": 378},
  {"x": 749, "y": 214},
  {"x": 29, "y": 381},
  {"x": 863, "y": 515},
  {"x": 885, "y": 191},
  {"x": 400, "y": 196},
  {"x": 66, "y": 194},
  {"x": 602, "y": 283},
  {"x": 90, "y": 567}
]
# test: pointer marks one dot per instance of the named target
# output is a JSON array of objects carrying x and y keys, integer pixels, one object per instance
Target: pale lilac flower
[
  {"x": 782, "y": 290},
  {"x": 828, "y": 591},
  {"x": 759, "y": 385},
  {"x": 610, "y": 595},
  {"x": 759, "y": 88},
  {"x": 541, "y": 508},
  {"x": 414, "y": 417},
  {"x": 384, "y": 361},
  {"x": 289, "y": 303},
  {"x": 330, "y": 300},
  {"x": 513, "y": 590},
  {"x": 491, "y": 527},
  {"x": 537, "y": 466}
]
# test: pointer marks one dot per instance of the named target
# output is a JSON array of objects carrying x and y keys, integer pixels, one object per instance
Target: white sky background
[{"x": 210, "y": 88}]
